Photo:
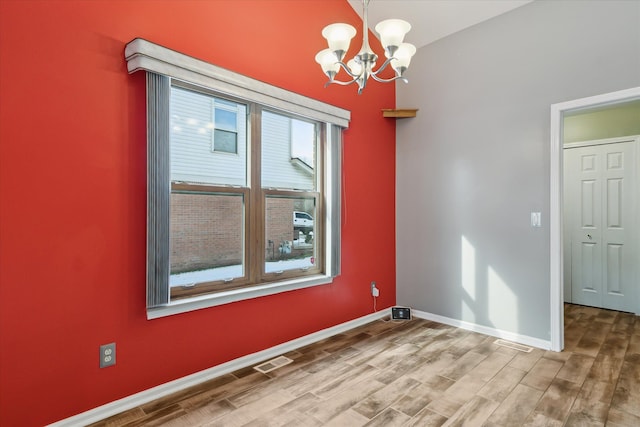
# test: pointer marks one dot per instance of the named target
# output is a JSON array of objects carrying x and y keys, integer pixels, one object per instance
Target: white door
[{"x": 600, "y": 192}]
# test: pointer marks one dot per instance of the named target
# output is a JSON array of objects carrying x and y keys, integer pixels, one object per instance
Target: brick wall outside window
[
  {"x": 279, "y": 225},
  {"x": 206, "y": 230}
]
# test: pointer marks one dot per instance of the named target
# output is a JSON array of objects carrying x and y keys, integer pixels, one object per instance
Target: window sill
[{"x": 226, "y": 297}]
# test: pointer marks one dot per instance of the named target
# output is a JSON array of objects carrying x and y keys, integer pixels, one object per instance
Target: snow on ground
[{"x": 233, "y": 271}]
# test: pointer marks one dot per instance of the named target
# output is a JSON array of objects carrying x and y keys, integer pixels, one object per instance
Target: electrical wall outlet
[
  {"x": 107, "y": 355},
  {"x": 374, "y": 291},
  {"x": 400, "y": 313}
]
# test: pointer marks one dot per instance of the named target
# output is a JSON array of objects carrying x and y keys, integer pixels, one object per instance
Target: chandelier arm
[
  {"x": 378, "y": 79},
  {"x": 346, "y": 68},
  {"x": 341, "y": 83},
  {"x": 382, "y": 67}
]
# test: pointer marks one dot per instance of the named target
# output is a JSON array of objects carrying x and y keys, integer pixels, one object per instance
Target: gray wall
[{"x": 475, "y": 162}]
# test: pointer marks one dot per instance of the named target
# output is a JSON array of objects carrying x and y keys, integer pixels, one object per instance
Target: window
[
  {"x": 243, "y": 185},
  {"x": 230, "y": 228},
  {"x": 225, "y": 133}
]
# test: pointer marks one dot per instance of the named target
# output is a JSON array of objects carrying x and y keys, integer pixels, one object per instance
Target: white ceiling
[{"x": 434, "y": 19}]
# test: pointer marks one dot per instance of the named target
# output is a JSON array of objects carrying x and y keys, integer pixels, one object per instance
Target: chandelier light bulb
[
  {"x": 328, "y": 61},
  {"x": 339, "y": 37},
  {"x": 392, "y": 32},
  {"x": 402, "y": 58}
]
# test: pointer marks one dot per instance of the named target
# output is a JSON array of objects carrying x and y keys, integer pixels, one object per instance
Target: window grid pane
[
  {"x": 199, "y": 150},
  {"x": 290, "y": 233},
  {"x": 207, "y": 237},
  {"x": 288, "y": 152},
  {"x": 225, "y": 141}
]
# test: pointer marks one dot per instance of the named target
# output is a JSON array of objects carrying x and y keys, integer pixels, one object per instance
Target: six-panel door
[{"x": 600, "y": 187}]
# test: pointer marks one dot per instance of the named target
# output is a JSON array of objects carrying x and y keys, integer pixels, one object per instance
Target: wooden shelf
[{"x": 399, "y": 113}]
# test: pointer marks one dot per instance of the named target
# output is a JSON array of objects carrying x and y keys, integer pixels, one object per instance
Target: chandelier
[{"x": 360, "y": 68}]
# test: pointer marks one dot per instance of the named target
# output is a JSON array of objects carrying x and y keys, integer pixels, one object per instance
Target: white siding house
[
  {"x": 195, "y": 157},
  {"x": 280, "y": 167}
]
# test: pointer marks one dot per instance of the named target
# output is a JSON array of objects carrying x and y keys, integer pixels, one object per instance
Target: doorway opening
[{"x": 558, "y": 112}]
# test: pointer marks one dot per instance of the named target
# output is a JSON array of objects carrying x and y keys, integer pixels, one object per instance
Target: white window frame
[{"x": 162, "y": 65}]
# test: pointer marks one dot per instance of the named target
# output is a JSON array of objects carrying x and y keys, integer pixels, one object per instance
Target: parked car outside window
[{"x": 302, "y": 220}]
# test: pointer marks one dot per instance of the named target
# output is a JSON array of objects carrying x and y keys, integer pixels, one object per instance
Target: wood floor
[{"x": 422, "y": 373}]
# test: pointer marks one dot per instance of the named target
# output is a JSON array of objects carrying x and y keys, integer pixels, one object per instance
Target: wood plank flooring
[{"x": 422, "y": 373}]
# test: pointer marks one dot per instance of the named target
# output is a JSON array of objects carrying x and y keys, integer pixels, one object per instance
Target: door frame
[{"x": 556, "y": 199}]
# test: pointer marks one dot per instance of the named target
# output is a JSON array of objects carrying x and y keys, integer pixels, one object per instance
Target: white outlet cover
[{"x": 107, "y": 355}]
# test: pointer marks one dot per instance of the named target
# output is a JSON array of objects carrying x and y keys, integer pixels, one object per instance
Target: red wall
[{"x": 72, "y": 187}]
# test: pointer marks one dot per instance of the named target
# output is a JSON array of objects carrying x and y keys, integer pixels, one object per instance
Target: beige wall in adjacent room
[{"x": 610, "y": 122}]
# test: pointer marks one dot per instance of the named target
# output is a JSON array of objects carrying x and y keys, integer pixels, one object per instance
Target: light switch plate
[{"x": 536, "y": 219}]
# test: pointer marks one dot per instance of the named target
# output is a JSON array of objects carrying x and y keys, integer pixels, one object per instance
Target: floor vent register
[
  {"x": 514, "y": 346},
  {"x": 273, "y": 364}
]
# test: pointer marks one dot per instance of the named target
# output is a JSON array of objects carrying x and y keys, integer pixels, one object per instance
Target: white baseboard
[
  {"x": 509, "y": 336},
  {"x": 146, "y": 396}
]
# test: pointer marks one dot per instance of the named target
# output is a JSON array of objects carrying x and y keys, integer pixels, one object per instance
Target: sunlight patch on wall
[
  {"x": 468, "y": 259},
  {"x": 503, "y": 303}
]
